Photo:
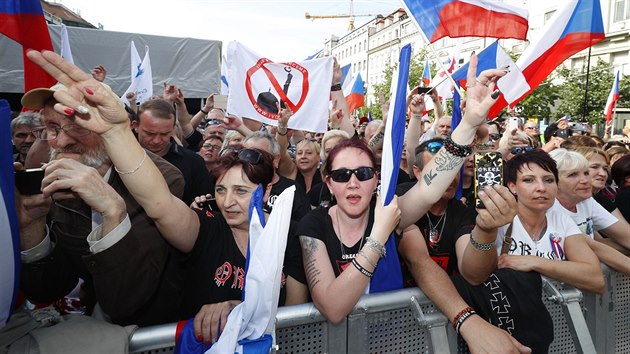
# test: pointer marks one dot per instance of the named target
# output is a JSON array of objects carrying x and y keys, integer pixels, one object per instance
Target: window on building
[
  {"x": 359, "y": 46},
  {"x": 622, "y": 10},
  {"x": 365, "y": 45},
  {"x": 395, "y": 33}
]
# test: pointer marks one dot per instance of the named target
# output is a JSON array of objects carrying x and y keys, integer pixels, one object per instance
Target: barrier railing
[{"x": 405, "y": 321}]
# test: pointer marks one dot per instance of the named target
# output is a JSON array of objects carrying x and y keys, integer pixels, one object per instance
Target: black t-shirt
[
  {"x": 458, "y": 220},
  {"x": 604, "y": 201},
  {"x": 300, "y": 200},
  {"x": 318, "y": 224},
  {"x": 622, "y": 202},
  {"x": 216, "y": 267}
]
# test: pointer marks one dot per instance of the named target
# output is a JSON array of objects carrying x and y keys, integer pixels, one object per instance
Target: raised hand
[
  {"x": 99, "y": 73},
  {"x": 96, "y": 106},
  {"x": 481, "y": 94}
]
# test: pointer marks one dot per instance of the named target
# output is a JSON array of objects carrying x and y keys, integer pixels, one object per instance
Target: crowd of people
[{"x": 144, "y": 210}]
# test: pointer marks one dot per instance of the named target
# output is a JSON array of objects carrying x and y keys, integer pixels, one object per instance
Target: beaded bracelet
[
  {"x": 462, "y": 317},
  {"x": 481, "y": 246},
  {"x": 363, "y": 271},
  {"x": 455, "y": 149},
  {"x": 376, "y": 246}
]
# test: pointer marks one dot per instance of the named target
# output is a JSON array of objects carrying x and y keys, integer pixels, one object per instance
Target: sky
[{"x": 274, "y": 28}]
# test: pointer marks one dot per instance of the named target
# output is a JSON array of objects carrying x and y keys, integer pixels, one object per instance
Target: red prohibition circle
[{"x": 260, "y": 64}]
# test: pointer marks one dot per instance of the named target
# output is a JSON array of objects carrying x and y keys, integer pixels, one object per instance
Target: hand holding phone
[
  {"x": 29, "y": 182},
  {"x": 488, "y": 168}
]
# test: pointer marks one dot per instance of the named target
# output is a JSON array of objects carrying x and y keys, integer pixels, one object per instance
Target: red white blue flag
[
  {"x": 575, "y": 26},
  {"x": 23, "y": 21},
  {"x": 426, "y": 74},
  {"x": 613, "y": 96},
  {"x": 355, "y": 96},
  {"x": 9, "y": 236},
  {"x": 468, "y": 18},
  {"x": 387, "y": 275}
]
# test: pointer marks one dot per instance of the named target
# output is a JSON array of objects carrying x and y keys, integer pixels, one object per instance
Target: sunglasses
[
  {"x": 495, "y": 137},
  {"x": 519, "y": 150},
  {"x": 433, "y": 147},
  {"x": 249, "y": 155},
  {"x": 214, "y": 122},
  {"x": 344, "y": 174}
]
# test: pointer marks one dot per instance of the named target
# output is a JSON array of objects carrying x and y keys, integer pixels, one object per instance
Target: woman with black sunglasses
[{"x": 207, "y": 238}]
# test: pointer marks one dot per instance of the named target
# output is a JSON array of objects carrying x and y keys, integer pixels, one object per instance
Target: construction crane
[{"x": 351, "y": 15}]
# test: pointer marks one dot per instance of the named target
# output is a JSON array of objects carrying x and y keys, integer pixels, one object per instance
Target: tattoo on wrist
[
  {"x": 376, "y": 139},
  {"x": 428, "y": 178},
  {"x": 446, "y": 161}
]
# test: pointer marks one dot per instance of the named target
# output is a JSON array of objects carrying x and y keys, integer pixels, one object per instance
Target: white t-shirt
[
  {"x": 550, "y": 245},
  {"x": 590, "y": 216}
]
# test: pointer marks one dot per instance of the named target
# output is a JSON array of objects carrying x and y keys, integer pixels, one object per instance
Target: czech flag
[
  {"x": 574, "y": 27},
  {"x": 9, "y": 234},
  {"x": 613, "y": 96},
  {"x": 468, "y": 18},
  {"x": 23, "y": 21},
  {"x": 426, "y": 74},
  {"x": 355, "y": 96},
  {"x": 513, "y": 85},
  {"x": 387, "y": 275}
]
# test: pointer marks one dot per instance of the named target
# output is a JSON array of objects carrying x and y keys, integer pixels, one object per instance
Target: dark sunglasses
[
  {"x": 249, "y": 155},
  {"x": 433, "y": 147},
  {"x": 495, "y": 137},
  {"x": 344, "y": 174},
  {"x": 522, "y": 150}
]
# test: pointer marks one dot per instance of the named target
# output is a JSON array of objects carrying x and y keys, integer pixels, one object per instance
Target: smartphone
[
  {"x": 488, "y": 168},
  {"x": 563, "y": 133},
  {"x": 220, "y": 101},
  {"x": 424, "y": 89},
  {"x": 512, "y": 124},
  {"x": 29, "y": 182}
]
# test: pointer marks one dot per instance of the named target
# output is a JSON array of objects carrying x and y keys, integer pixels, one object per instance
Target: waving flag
[
  {"x": 66, "y": 52},
  {"x": 426, "y": 74},
  {"x": 251, "y": 324},
  {"x": 387, "y": 275},
  {"x": 142, "y": 77},
  {"x": 355, "y": 96},
  {"x": 225, "y": 86},
  {"x": 467, "y": 18},
  {"x": 23, "y": 21},
  {"x": 9, "y": 237},
  {"x": 257, "y": 84},
  {"x": 613, "y": 96},
  {"x": 574, "y": 27},
  {"x": 513, "y": 85},
  {"x": 443, "y": 85},
  {"x": 346, "y": 77}
]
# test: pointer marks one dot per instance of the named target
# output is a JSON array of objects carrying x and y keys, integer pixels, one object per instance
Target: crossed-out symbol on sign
[{"x": 260, "y": 64}]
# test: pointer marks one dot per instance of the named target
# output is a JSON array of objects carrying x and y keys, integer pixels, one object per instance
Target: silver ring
[
  {"x": 479, "y": 81},
  {"x": 470, "y": 86}
]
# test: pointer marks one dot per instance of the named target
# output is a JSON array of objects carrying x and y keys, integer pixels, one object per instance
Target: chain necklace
[
  {"x": 343, "y": 251},
  {"x": 434, "y": 235}
]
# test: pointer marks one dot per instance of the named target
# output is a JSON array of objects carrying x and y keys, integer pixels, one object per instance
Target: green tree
[{"x": 540, "y": 102}]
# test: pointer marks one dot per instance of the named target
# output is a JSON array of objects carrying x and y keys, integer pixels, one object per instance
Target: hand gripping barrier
[{"x": 405, "y": 321}]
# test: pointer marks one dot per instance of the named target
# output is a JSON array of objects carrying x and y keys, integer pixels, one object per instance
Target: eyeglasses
[
  {"x": 522, "y": 150},
  {"x": 496, "y": 136},
  {"x": 51, "y": 132},
  {"x": 211, "y": 147},
  {"x": 532, "y": 128},
  {"x": 433, "y": 147},
  {"x": 344, "y": 174}
]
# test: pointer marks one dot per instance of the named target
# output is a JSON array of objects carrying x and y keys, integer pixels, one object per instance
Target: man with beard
[
  {"x": 86, "y": 226},
  {"x": 22, "y": 137}
]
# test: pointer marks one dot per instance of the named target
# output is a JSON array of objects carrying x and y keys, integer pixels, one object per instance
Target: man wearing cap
[{"x": 86, "y": 226}]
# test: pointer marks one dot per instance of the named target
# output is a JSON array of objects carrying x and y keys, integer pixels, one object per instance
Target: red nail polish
[
  {"x": 68, "y": 111},
  {"x": 89, "y": 92},
  {"x": 199, "y": 337}
]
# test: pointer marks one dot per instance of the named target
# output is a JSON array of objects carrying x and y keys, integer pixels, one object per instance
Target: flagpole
[{"x": 588, "y": 68}]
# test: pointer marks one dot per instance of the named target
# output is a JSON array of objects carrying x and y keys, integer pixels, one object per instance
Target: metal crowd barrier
[{"x": 405, "y": 321}]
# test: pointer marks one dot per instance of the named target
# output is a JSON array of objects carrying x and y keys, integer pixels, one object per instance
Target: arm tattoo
[
  {"x": 309, "y": 247},
  {"x": 429, "y": 176},
  {"x": 446, "y": 161},
  {"x": 376, "y": 139}
]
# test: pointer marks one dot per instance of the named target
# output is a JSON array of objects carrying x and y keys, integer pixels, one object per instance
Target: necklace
[
  {"x": 434, "y": 235},
  {"x": 535, "y": 236},
  {"x": 343, "y": 250}
]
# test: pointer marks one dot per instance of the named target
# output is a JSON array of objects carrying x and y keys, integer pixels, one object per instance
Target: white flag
[
  {"x": 257, "y": 84},
  {"x": 66, "y": 53},
  {"x": 142, "y": 80},
  {"x": 135, "y": 61},
  {"x": 225, "y": 86},
  {"x": 255, "y": 317}
]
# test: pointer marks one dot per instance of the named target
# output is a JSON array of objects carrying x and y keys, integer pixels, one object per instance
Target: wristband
[
  {"x": 461, "y": 317},
  {"x": 335, "y": 87},
  {"x": 363, "y": 271},
  {"x": 282, "y": 134},
  {"x": 455, "y": 149},
  {"x": 204, "y": 112},
  {"x": 375, "y": 246},
  {"x": 417, "y": 116},
  {"x": 481, "y": 246}
]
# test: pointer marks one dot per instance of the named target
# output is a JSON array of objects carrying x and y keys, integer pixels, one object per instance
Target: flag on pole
[
  {"x": 225, "y": 86},
  {"x": 66, "y": 52},
  {"x": 513, "y": 85},
  {"x": 387, "y": 275},
  {"x": 426, "y": 74},
  {"x": 251, "y": 324},
  {"x": 443, "y": 85},
  {"x": 575, "y": 26},
  {"x": 346, "y": 78},
  {"x": 355, "y": 97},
  {"x": 142, "y": 77},
  {"x": 468, "y": 18},
  {"x": 257, "y": 84},
  {"x": 613, "y": 96},
  {"x": 23, "y": 21},
  {"x": 9, "y": 233}
]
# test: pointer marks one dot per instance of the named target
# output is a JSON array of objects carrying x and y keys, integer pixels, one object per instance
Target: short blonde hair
[
  {"x": 588, "y": 152},
  {"x": 308, "y": 141},
  {"x": 329, "y": 135},
  {"x": 567, "y": 160}
]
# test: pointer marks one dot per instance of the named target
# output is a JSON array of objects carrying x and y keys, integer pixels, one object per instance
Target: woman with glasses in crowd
[
  {"x": 215, "y": 243},
  {"x": 343, "y": 243}
]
